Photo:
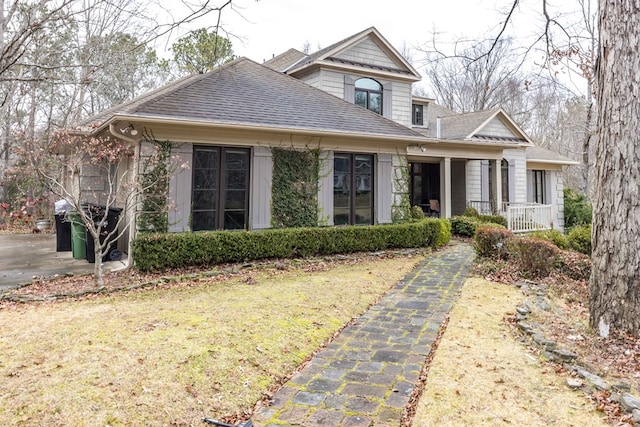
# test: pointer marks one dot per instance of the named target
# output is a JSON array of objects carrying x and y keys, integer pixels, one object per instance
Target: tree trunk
[{"x": 615, "y": 276}]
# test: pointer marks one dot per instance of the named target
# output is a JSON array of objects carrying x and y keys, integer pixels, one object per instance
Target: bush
[
  {"x": 464, "y": 225},
  {"x": 579, "y": 239},
  {"x": 535, "y": 257},
  {"x": 577, "y": 209},
  {"x": 555, "y": 236},
  {"x": 490, "y": 241},
  {"x": 471, "y": 211},
  {"x": 494, "y": 219},
  {"x": 417, "y": 213},
  {"x": 153, "y": 252}
]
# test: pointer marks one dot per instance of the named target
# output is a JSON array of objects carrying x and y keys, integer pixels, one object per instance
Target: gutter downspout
[{"x": 133, "y": 208}]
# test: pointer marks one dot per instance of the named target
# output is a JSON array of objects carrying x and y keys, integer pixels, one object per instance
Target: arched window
[{"x": 369, "y": 94}]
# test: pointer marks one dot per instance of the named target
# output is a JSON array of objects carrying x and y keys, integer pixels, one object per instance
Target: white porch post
[
  {"x": 496, "y": 184},
  {"x": 445, "y": 187}
]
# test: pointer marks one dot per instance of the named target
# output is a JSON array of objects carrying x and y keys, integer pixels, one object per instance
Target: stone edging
[{"x": 585, "y": 381}]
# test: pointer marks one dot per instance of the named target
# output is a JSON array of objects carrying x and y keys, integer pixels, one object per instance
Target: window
[
  {"x": 504, "y": 170},
  {"x": 418, "y": 117},
  {"x": 352, "y": 189},
  {"x": 220, "y": 188},
  {"x": 369, "y": 95},
  {"x": 539, "y": 187}
]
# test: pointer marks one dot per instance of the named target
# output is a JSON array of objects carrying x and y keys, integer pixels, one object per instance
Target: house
[{"x": 380, "y": 149}]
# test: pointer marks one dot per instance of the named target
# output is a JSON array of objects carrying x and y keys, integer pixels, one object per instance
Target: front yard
[{"x": 175, "y": 353}]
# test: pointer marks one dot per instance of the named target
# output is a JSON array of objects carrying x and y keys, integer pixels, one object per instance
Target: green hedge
[{"x": 153, "y": 252}]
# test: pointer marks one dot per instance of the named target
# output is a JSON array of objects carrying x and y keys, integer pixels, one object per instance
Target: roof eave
[{"x": 249, "y": 127}]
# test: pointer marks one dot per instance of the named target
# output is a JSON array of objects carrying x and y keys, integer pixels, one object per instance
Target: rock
[
  {"x": 523, "y": 309},
  {"x": 543, "y": 304},
  {"x": 542, "y": 341},
  {"x": 597, "y": 382},
  {"x": 525, "y": 327},
  {"x": 564, "y": 354},
  {"x": 574, "y": 383},
  {"x": 629, "y": 402},
  {"x": 636, "y": 415},
  {"x": 621, "y": 388}
]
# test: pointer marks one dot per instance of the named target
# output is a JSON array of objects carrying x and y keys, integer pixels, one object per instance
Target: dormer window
[
  {"x": 418, "y": 115},
  {"x": 369, "y": 94}
]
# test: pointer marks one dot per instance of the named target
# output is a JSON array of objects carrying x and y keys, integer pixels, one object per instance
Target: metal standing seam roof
[{"x": 246, "y": 93}]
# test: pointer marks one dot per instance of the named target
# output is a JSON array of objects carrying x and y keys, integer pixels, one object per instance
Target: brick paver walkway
[{"x": 366, "y": 375}]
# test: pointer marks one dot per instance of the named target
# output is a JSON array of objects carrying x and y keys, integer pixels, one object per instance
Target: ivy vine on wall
[
  {"x": 294, "y": 192},
  {"x": 155, "y": 189}
]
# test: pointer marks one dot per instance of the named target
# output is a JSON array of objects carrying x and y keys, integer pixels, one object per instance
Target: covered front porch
[{"x": 445, "y": 186}]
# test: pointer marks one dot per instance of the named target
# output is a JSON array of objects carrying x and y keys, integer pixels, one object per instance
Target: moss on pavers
[{"x": 366, "y": 375}]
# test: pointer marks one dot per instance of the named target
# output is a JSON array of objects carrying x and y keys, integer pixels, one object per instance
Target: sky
[
  {"x": 262, "y": 29},
  {"x": 269, "y": 27}
]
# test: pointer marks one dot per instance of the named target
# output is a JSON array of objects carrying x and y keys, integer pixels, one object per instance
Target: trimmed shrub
[
  {"x": 535, "y": 257},
  {"x": 464, "y": 225},
  {"x": 490, "y": 241},
  {"x": 579, "y": 239},
  {"x": 153, "y": 252},
  {"x": 470, "y": 211},
  {"x": 417, "y": 213},
  {"x": 555, "y": 236},
  {"x": 494, "y": 219}
]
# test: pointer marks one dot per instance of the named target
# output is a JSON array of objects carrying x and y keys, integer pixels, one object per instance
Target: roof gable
[
  {"x": 489, "y": 126},
  {"x": 244, "y": 93},
  {"x": 366, "y": 50}
]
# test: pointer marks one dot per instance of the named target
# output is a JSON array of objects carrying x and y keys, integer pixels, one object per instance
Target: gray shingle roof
[
  {"x": 285, "y": 60},
  {"x": 543, "y": 155},
  {"x": 245, "y": 93}
]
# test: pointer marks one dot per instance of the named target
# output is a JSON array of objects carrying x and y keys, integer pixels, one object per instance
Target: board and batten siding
[
  {"x": 180, "y": 185},
  {"x": 261, "y": 183},
  {"x": 458, "y": 187},
  {"x": 325, "y": 189},
  {"x": 384, "y": 193},
  {"x": 367, "y": 52}
]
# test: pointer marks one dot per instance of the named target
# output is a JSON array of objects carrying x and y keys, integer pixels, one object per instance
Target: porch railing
[{"x": 521, "y": 217}]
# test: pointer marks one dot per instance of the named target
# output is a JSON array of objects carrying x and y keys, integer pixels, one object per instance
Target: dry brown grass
[
  {"x": 168, "y": 356},
  {"x": 481, "y": 377}
]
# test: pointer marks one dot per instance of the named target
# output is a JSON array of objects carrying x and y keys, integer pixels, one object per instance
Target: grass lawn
[
  {"x": 480, "y": 376},
  {"x": 169, "y": 356}
]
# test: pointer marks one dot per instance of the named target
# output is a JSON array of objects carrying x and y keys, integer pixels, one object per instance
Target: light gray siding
[
  {"x": 367, "y": 52},
  {"x": 333, "y": 83},
  {"x": 384, "y": 188},
  {"x": 474, "y": 180},
  {"x": 180, "y": 189},
  {"x": 401, "y": 103},
  {"x": 261, "y": 179},
  {"x": 518, "y": 188},
  {"x": 313, "y": 79},
  {"x": 496, "y": 127}
]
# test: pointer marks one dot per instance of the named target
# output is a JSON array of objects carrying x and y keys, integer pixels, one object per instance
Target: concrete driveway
[{"x": 24, "y": 257}]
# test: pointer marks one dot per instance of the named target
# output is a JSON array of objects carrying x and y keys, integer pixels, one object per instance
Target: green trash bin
[{"x": 78, "y": 236}]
